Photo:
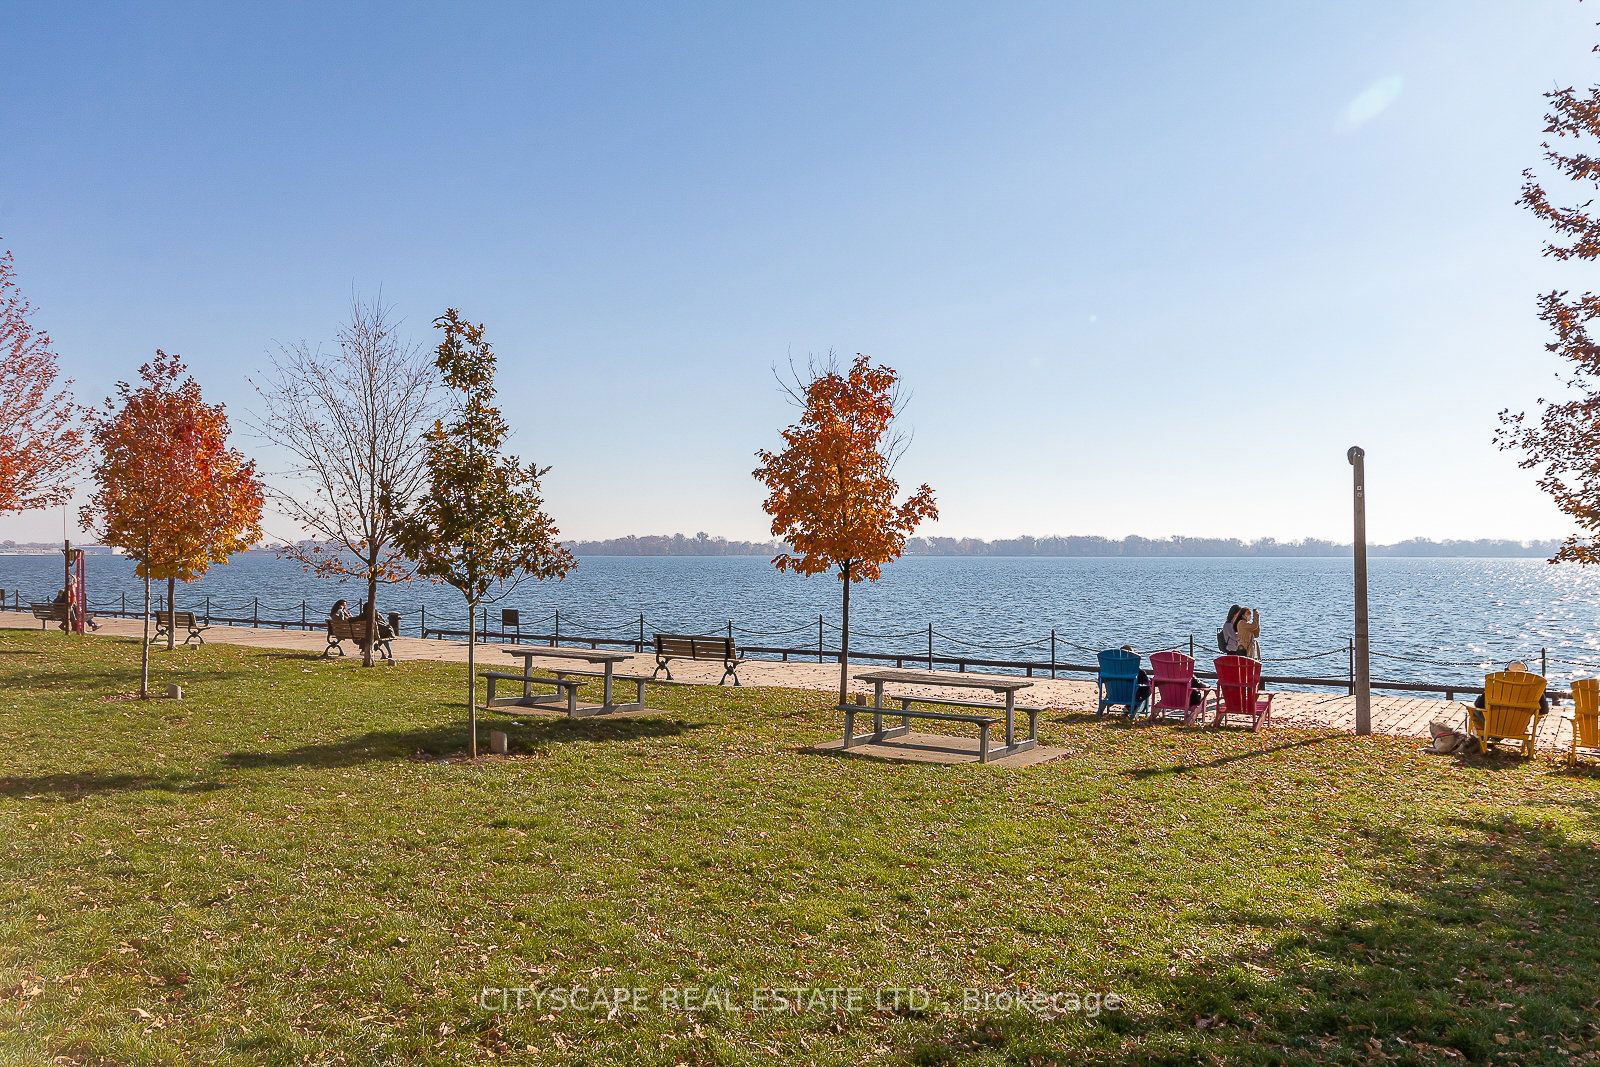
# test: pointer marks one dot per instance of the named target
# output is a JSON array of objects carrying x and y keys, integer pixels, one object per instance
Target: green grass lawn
[{"x": 284, "y": 867}]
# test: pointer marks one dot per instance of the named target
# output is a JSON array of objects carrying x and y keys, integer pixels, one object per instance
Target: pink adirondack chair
[
  {"x": 1172, "y": 688},
  {"x": 1239, "y": 692}
]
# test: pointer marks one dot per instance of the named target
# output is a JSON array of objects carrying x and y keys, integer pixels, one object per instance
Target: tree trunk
[
  {"x": 844, "y": 642},
  {"x": 172, "y": 608},
  {"x": 371, "y": 615},
  {"x": 472, "y": 680},
  {"x": 144, "y": 648}
]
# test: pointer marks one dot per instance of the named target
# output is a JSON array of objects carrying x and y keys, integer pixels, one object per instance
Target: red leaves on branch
[
  {"x": 1561, "y": 440},
  {"x": 41, "y": 442},
  {"x": 831, "y": 490},
  {"x": 169, "y": 491}
]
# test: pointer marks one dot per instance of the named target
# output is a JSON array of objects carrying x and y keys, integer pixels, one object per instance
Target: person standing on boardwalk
[
  {"x": 1240, "y": 634},
  {"x": 1247, "y": 629}
]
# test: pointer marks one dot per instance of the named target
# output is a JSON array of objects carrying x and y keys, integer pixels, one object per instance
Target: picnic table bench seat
[
  {"x": 695, "y": 647},
  {"x": 566, "y": 692},
  {"x": 170, "y": 621},
  {"x": 354, "y": 630}
]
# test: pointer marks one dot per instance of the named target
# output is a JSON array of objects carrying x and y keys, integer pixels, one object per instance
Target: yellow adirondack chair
[
  {"x": 1585, "y": 718},
  {"x": 1510, "y": 710}
]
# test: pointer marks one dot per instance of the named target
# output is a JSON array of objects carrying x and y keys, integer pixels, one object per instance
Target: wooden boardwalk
[{"x": 1401, "y": 716}]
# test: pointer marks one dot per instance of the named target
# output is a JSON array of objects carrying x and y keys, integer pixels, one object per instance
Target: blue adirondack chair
[{"x": 1119, "y": 681}]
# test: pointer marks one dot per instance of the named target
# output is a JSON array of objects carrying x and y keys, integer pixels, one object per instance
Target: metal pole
[
  {"x": 930, "y": 646},
  {"x": 208, "y": 608},
  {"x": 424, "y": 621},
  {"x": 1350, "y": 652},
  {"x": 1544, "y": 662},
  {"x": 1191, "y": 646},
  {"x": 819, "y": 638},
  {"x": 1052, "y": 651},
  {"x": 641, "y": 631},
  {"x": 255, "y": 611},
  {"x": 556, "y": 640},
  {"x": 1361, "y": 675},
  {"x": 730, "y": 629}
]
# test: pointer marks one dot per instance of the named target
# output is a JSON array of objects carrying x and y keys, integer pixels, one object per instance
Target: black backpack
[{"x": 1222, "y": 642}]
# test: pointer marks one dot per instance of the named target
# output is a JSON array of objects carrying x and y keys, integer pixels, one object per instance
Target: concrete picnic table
[
  {"x": 1006, "y": 686},
  {"x": 607, "y": 661}
]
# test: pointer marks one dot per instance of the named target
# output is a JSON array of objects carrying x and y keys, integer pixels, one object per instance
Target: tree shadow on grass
[
  {"x": 116, "y": 682},
  {"x": 450, "y": 740},
  {"x": 1480, "y": 943},
  {"x": 541, "y": 731},
  {"x": 84, "y": 784},
  {"x": 1223, "y": 760}
]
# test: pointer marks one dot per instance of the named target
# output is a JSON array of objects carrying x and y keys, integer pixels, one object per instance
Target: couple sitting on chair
[{"x": 388, "y": 625}]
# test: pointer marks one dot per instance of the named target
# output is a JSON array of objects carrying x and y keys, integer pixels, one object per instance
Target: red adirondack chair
[
  {"x": 1239, "y": 692},
  {"x": 1172, "y": 688}
]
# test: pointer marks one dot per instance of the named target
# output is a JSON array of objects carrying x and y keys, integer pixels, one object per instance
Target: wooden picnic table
[
  {"x": 606, "y": 661},
  {"x": 999, "y": 686}
]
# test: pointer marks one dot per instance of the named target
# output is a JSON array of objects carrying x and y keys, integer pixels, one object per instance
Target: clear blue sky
[{"x": 1147, "y": 268}]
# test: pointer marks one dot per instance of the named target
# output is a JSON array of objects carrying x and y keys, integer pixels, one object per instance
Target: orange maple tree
[
  {"x": 831, "y": 491},
  {"x": 41, "y": 441},
  {"x": 169, "y": 491},
  {"x": 1558, "y": 440}
]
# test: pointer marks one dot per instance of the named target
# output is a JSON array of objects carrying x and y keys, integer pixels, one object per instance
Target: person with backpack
[{"x": 1241, "y": 633}]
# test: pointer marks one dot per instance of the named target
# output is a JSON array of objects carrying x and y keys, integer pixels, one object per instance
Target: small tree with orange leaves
[
  {"x": 831, "y": 490},
  {"x": 169, "y": 491},
  {"x": 1559, "y": 441},
  {"x": 41, "y": 439}
]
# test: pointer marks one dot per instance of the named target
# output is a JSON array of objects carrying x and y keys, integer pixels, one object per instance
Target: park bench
[
  {"x": 58, "y": 614},
  {"x": 171, "y": 621},
  {"x": 683, "y": 646},
  {"x": 981, "y": 714},
  {"x": 354, "y": 630},
  {"x": 50, "y": 613}
]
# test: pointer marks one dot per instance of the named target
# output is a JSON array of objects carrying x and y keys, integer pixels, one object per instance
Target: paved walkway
[{"x": 1404, "y": 716}]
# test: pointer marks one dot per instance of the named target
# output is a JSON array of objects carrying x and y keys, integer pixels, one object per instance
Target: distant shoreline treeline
[
  {"x": 1141, "y": 547},
  {"x": 1131, "y": 547}
]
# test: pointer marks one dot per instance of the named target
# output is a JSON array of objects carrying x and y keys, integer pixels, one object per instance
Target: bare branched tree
[{"x": 351, "y": 422}]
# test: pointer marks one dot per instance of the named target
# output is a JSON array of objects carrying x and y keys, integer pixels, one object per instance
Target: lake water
[{"x": 1465, "y": 612}]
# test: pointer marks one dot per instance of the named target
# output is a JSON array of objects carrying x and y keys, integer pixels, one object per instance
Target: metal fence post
[
  {"x": 1350, "y": 652},
  {"x": 424, "y": 621},
  {"x": 819, "y": 638},
  {"x": 255, "y": 611},
  {"x": 1053, "y": 652},
  {"x": 930, "y": 646},
  {"x": 556, "y": 638},
  {"x": 1544, "y": 662},
  {"x": 302, "y": 613},
  {"x": 124, "y": 609},
  {"x": 641, "y": 631},
  {"x": 208, "y": 607},
  {"x": 1191, "y": 646}
]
